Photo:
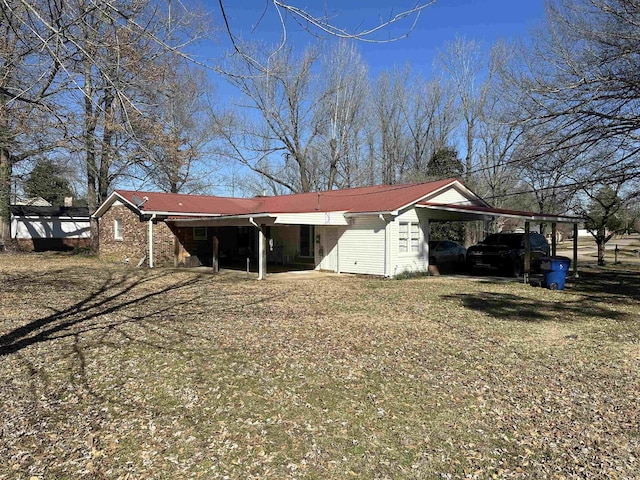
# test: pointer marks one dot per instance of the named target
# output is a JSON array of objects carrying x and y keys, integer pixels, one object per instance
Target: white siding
[
  {"x": 410, "y": 261},
  {"x": 328, "y": 250},
  {"x": 311, "y": 218},
  {"x": 452, "y": 195},
  {"x": 362, "y": 247},
  {"x": 23, "y": 227}
]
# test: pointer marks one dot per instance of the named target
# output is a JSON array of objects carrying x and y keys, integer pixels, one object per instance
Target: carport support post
[
  {"x": 554, "y": 233},
  {"x": 527, "y": 252},
  {"x": 262, "y": 253},
  {"x": 216, "y": 265}
]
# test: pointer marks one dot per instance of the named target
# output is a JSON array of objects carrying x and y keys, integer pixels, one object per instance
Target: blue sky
[{"x": 482, "y": 20}]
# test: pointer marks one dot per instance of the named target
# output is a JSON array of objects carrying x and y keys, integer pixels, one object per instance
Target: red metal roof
[
  {"x": 499, "y": 211},
  {"x": 379, "y": 198},
  {"x": 185, "y": 204}
]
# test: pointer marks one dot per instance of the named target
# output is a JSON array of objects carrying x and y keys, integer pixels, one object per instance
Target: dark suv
[{"x": 505, "y": 252}]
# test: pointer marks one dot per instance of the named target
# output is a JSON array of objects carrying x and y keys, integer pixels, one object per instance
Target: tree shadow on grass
[
  {"x": 114, "y": 294},
  {"x": 598, "y": 289},
  {"x": 116, "y": 301},
  {"x": 505, "y": 306},
  {"x": 119, "y": 311},
  {"x": 609, "y": 284}
]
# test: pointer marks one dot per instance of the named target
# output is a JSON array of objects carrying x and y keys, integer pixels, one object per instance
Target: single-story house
[
  {"x": 379, "y": 230},
  {"x": 41, "y": 228}
]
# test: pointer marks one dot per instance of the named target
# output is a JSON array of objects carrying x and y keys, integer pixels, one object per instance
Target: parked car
[
  {"x": 505, "y": 252},
  {"x": 446, "y": 252}
]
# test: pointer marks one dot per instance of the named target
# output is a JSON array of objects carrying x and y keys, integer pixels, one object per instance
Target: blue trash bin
[{"x": 555, "y": 271}]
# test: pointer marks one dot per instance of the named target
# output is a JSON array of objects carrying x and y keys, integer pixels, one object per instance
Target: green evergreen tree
[
  {"x": 47, "y": 180},
  {"x": 445, "y": 164}
]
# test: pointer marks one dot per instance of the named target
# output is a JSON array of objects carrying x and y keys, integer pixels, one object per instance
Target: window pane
[
  {"x": 117, "y": 229},
  {"x": 403, "y": 237},
  {"x": 415, "y": 237}
]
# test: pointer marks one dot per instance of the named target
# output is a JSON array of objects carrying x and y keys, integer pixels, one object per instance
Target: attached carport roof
[{"x": 474, "y": 212}]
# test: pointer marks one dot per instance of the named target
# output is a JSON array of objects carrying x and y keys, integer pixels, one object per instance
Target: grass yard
[{"x": 122, "y": 373}]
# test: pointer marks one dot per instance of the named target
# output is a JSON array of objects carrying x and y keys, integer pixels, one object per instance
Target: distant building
[{"x": 39, "y": 228}]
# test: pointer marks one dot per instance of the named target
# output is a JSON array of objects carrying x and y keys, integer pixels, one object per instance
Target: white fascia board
[
  {"x": 311, "y": 218},
  {"x": 178, "y": 214},
  {"x": 454, "y": 183},
  {"x": 102, "y": 209},
  {"x": 221, "y": 220},
  {"x": 392, "y": 213},
  {"x": 557, "y": 218},
  {"x": 477, "y": 213},
  {"x": 531, "y": 217},
  {"x": 50, "y": 217}
]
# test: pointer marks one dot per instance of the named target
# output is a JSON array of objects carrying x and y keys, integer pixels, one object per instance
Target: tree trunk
[
  {"x": 90, "y": 155},
  {"x": 5, "y": 172},
  {"x": 5, "y": 194},
  {"x": 107, "y": 147},
  {"x": 333, "y": 164},
  {"x": 304, "y": 175},
  {"x": 601, "y": 243}
]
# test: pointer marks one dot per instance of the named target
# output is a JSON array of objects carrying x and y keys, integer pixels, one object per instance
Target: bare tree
[
  {"x": 283, "y": 97},
  {"x": 321, "y": 21},
  {"x": 429, "y": 117},
  {"x": 582, "y": 77},
  {"x": 548, "y": 176},
  {"x": 603, "y": 207},
  {"x": 105, "y": 51},
  {"x": 499, "y": 136},
  {"x": 29, "y": 81},
  {"x": 471, "y": 77},
  {"x": 342, "y": 95},
  {"x": 173, "y": 129},
  {"x": 390, "y": 126}
]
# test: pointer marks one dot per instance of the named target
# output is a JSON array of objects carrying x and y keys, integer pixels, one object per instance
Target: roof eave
[
  {"x": 106, "y": 205},
  {"x": 534, "y": 217},
  {"x": 381, "y": 212}
]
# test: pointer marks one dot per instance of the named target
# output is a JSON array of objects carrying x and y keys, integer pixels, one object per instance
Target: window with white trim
[
  {"x": 415, "y": 237},
  {"x": 409, "y": 237},
  {"x": 117, "y": 229},
  {"x": 403, "y": 237}
]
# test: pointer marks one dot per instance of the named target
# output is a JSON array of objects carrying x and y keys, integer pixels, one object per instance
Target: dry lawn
[{"x": 114, "y": 372}]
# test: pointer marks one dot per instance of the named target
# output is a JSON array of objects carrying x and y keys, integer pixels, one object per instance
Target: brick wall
[
  {"x": 51, "y": 244},
  {"x": 164, "y": 245},
  {"x": 133, "y": 245},
  {"x": 134, "y": 238}
]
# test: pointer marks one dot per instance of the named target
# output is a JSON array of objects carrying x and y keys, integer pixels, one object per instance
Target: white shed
[{"x": 39, "y": 228}]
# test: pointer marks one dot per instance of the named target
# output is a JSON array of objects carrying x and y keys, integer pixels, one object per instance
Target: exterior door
[{"x": 328, "y": 248}]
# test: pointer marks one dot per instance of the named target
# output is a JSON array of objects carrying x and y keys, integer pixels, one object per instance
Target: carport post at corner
[{"x": 454, "y": 212}]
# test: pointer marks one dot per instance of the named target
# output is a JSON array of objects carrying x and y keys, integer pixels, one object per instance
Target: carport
[
  {"x": 263, "y": 229},
  {"x": 455, "y": 212},
  {"x": 239, "y": 223}
]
